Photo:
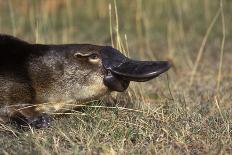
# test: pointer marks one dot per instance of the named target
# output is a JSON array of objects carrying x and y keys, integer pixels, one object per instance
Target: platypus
[{"x": 39, "y": 79}]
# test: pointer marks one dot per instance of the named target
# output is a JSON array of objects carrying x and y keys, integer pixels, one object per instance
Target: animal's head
[
  {"x": 102, "y": 68},
  {"x": 74, "y": 71},
  {"x": 84, "y": 72}
]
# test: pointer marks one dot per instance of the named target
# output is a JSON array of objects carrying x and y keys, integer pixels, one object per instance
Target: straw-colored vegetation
[{"x": 187, "y": 111}]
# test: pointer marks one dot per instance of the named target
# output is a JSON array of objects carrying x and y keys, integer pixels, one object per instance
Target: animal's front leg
[{"x": 29, "y": 116}]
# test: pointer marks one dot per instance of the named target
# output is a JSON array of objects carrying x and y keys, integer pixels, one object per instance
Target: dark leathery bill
[{"x": 121, "y": 69}]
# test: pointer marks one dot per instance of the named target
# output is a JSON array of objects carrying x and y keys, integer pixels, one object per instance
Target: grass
[{"x": 187, "y": 111}]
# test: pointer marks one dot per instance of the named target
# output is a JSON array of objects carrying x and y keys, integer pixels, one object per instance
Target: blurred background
[{"x": 152, "y": 27}]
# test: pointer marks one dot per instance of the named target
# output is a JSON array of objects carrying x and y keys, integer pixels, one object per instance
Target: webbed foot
[{"x": 40, "y": 121}]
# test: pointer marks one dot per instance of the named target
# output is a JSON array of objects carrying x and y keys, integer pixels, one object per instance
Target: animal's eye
[{"x": 94, "y": 58}]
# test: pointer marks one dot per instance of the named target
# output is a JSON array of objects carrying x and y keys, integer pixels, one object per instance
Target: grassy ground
[{"x": 187, "y": 111}]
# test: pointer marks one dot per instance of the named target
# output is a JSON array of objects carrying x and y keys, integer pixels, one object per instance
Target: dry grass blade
[
  {"x": 6, "y": 128},
  {"x": 12, "y": 16},
  {"x": 222, "y": 46},
  {"x": 200, "y": 52},
  {"x": 111, "y": 31}
]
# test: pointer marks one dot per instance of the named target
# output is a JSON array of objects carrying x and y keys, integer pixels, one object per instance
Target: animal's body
[{"x": 38, "y": 79}]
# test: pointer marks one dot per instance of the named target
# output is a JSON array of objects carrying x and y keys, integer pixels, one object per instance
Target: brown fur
[
  {"x": 36, "y": 79},
  {"x": 51, "y": 79}
]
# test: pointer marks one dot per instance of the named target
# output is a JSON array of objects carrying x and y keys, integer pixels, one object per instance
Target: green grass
[{"x": 167, "y": 115}]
